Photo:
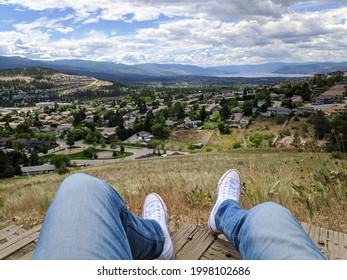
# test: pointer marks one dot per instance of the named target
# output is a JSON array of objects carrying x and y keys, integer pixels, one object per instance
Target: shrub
[
  {"x": 236, "y": 144},
  {"x": 260, "y": 140},
  {"x": 62, "y": 169}
]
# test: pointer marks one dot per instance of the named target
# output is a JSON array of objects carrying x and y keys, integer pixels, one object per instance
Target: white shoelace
[
  {"x": 229, "y": 189},
  {"x": 154, "y": 211}
]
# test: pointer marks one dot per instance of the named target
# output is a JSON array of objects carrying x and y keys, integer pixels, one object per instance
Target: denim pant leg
[
  {"x": 267, "y": 231},
  {"x": 89, "y": 220}
]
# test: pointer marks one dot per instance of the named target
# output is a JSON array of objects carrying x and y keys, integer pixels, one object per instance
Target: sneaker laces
[
  {"x": 228, "y": 190},
  {"x": 154, "y": 211}
]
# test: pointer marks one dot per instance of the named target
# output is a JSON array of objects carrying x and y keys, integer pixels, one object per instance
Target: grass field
[{"x": 313, "y": 186}]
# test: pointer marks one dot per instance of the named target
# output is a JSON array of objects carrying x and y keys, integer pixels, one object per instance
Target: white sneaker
[
  {"x": 154, "y": 208},
  {"x": 229, "y": 187}
]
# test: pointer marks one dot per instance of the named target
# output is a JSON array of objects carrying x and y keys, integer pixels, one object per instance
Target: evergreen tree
[
  {"x": 6, "y": 169},
  {"x": 34, "y": 158},
  {"x": 203, "y": 114},
  {"x": 321, "y": 124}
]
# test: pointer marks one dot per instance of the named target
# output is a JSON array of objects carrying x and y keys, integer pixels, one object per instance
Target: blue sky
[{"x": 198, "y": 32}]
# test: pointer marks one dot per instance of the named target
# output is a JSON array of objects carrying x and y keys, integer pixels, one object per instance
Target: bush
[
  {"x": 62, "y": 169},
  {"x": 236, "y": 144},
  {"x": 260, "y": 140},
  {"x": 279, "y": 119},
  {"x": 88, "y": 153},
  {"x": 60, "y": 160}
]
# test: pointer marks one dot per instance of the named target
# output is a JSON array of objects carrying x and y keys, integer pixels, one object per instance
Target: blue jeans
[
  {"x": 267, "y": 231},
  {"x": 89, "y": 220}
]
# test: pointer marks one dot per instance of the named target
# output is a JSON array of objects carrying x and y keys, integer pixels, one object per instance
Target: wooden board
[
  {"x": 19, "y": 242},
  {"x": 10, "y": 232},
  {"x": 190, "y": 243}
]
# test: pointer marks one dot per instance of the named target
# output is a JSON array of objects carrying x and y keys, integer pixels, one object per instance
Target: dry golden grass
[
  {"x": 187, "y": 184},
  {"x": 180, "y": 139}
]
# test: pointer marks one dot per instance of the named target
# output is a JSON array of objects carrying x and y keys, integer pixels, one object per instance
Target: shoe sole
[{"x": 218, "y": 185}]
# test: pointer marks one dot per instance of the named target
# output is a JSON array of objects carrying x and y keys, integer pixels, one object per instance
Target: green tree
[
  {"x": 321, "y": 124},
  {"x": 70, "y": 141},
  {"x": 34, "y": 158},
  {"x": 160, "y": 131},
  {"x": 6, "y": 170},
  {"x": 203, "y": 114}
]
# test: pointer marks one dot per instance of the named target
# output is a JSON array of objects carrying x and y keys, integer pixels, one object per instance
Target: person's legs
[
  {"x": 267, "y": 231},
  {"x": 89, "y": 220}
]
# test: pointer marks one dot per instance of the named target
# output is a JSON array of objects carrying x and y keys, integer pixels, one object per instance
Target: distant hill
[{"x": 110, "y": 70}]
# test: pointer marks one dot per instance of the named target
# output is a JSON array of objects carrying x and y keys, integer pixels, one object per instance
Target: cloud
[
  {"x": 201, "y": 32},
  {"x": 152, "y": 9}
]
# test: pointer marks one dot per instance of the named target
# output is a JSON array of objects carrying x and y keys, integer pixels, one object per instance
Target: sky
[{"x": 196, "y": 32}]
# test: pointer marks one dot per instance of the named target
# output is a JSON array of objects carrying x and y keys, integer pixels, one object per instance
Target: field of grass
[{"x": 313, "y": 186}]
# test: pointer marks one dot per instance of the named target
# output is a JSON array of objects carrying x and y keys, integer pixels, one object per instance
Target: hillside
[
  {"x": 187, "y": 184},
  {"x": 111, "y": 70}
]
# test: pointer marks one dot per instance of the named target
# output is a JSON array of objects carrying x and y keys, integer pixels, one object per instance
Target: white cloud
[
  {"x": 151, "y": 9},
  {"x": 199, "y": 32}
]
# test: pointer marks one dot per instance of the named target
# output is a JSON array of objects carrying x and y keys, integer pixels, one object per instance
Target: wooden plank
[
  {"x": 183, "y": 236},
  {"x": 19, "y": 242},
  {"x": 4, "y": 230},
  {"x": 323, "y": 241},
  {"x": 198, "y": 243},
  {"x": 12, "y": 232},
  {"x": 343, "y": 245},
  {"x": 221, "y": 250}
]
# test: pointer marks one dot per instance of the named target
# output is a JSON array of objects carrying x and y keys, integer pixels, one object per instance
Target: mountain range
[{"x": 114, "y": 71}]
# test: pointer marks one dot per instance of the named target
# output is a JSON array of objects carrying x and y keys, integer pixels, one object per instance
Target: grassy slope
[{"x": 187, "y": 184}]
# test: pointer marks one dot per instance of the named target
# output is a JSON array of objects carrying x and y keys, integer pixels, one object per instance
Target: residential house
[
  {"x": 279, "y": 111},
  {"x": 213, "y": 108},
  {"x": 297, "y": 100},
  {"x": 108, "y": 132},
  {"x": 336, "y": 110},
  {"x": 38, "y": 169},
  {"x": 333, "y": 95},
  {"x": 305, "y": 110}
]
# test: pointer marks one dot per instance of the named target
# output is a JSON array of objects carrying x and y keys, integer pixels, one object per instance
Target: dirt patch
[{"x": 201, "y": 136}]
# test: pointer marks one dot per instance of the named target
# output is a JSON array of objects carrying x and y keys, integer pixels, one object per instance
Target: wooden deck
[{"x": 190, "y": 243}]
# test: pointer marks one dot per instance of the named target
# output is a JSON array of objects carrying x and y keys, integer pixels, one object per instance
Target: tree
[
  {"x": 6, "y": 169},
  {"x": 70, "y": 141},
  {"x": 321, "y": 124},
  {"x": 203, "y": 114},
  {"x": 305, "y": 92},
  {"x": 338, "y": 135},
  {"x": 224, "y": 128},
  {"x": 179, "y": 111},
  {"x": 89, "y": 138},
  {"x": 34, "y": 158},
  {"x": 160, "y": 131},
  {"x": 225, "y": 112},
  {"x": 148, "y": 121}
]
